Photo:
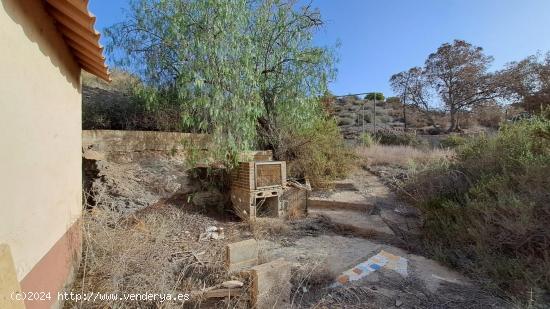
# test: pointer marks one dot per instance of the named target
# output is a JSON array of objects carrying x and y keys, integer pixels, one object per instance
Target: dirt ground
[
  {"x": 339, "y": 239},
  {"x": 155, "y": 194}
]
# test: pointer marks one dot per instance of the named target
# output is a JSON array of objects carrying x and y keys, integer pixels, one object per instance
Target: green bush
[
  {"x": 452, "y": 141},
  {"x": 487, "y": 212},
  {"x": 395, "y": 137},
  {"x": 367, "y": 139},
  {"x": 318, "y": 153},
  {"x": 378, "y": 95}
]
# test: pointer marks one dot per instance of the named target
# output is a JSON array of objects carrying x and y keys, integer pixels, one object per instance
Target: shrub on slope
[{"x": 488, "y": 212}]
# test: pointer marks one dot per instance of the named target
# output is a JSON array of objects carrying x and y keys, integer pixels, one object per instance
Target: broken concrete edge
[
  {"x": 337, "y": 205},
  {"x": 90, "y": 154},
  {"x": 223, "y": 293},
  {"x": 270, "y": 285},
  {"x": 219, "y": 291}
]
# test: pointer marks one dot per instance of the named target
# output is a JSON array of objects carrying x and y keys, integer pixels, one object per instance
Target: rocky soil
[{"x": 355, "y": 115}]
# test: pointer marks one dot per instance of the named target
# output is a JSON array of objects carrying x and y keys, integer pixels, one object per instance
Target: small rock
[
  {"x": 398, "y": 303},
  {"x": 304, "y": 289},
  {"x": 232, "y": 284}
]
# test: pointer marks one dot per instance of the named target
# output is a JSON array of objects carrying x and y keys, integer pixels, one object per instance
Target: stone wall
[
  {"x": 131, "y": 170},
  {"x": 114, "y": 143}
]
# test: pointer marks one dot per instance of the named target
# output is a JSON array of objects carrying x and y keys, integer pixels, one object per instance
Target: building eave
[{"x": 76, "y": 24}]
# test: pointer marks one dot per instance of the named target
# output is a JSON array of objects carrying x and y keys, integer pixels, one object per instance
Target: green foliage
[
  {"x": 393, "y": 100},
  {"x": 318, "y": 153},
  {"x": 488, "y": 211},
  {"x": 367, "y": 139},
  {"x": 238, "y": 69},
  {"x": 452, "y": 141},
  {"x": 112, "y": 106},
  {"x": 395, "y": 137},
  {"x": 378, "y": 95}
]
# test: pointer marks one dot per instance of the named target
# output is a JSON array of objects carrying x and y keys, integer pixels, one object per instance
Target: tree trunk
[
  {"x": 405, "y": 115},
  {"x": 454, "y": 122}
]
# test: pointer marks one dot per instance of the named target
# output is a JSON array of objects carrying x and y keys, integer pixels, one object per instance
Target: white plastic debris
[{"x": 212, "y": 232}]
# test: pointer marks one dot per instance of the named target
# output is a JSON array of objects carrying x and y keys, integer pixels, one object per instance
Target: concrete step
[
  {"x": 356, "y": 222},
  {"x": 332, "y": 204}
]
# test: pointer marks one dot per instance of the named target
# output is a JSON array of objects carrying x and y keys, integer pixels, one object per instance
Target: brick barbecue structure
[{"x": 257, "y": 186}]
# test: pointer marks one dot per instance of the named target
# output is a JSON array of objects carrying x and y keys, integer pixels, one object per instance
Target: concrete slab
[
  {"x": 359, "y": 222},
  {"x": 330, "y": 253},
  {"x": 381, "y": 260},
  {"x": 241, "y": 255},
  {"x": 271, "y": 285},
  {"x": 336, "y": 254},
  {"x": 434, "y": 274},
  {"x": 324, "y": 203}
]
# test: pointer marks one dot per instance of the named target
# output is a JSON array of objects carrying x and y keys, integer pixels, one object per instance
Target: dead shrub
[
  {"x": 308, "y": 282},
  {"x": 402, "y": 156},
  {"x": 295, "y": 213},
  {"x": 156, "y": 252},
  {"x": 436, "y": 181},
  {"x": 489, "y": 115},
  {"x": 268, "y": 228}
]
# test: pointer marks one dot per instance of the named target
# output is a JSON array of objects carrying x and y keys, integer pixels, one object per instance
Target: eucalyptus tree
[
  {"x": 528, "y": 82},
  {"x": 241, "y": 69},
  {"x": 412, "y": 88},
  {"x": 401, "y": 84},
  {"x": 458, "y": 72}
]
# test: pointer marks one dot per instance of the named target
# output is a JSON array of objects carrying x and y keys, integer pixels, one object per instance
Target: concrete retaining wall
[{"x": 106, "y": 141}]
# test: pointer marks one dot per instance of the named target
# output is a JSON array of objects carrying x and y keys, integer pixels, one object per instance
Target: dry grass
[
  {"x": 402, "y": 156},
  {"x": 153, "y": 252},
  {"x": 310, "y": 282},
  {"x": 268, "y": 228}
]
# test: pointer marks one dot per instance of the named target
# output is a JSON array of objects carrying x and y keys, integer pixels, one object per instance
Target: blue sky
[{"x": 382, "y": 37}]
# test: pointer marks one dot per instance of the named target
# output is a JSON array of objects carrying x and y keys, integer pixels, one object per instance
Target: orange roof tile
[{"x": 76, "y": 24}]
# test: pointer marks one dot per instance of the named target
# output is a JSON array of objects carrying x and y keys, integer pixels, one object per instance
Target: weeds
[
  {"x": 487, "y": 212},
  {"x": 453, "y": 141},
  {"x": 318, "y": 154},
  {"x": 402, "y": 156},
  {"x": 268, "y": 228},
  {"x": 154, "y": 252},
  {"x": 367, "y": 140},
  {"x": 395, "y": 137}
]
